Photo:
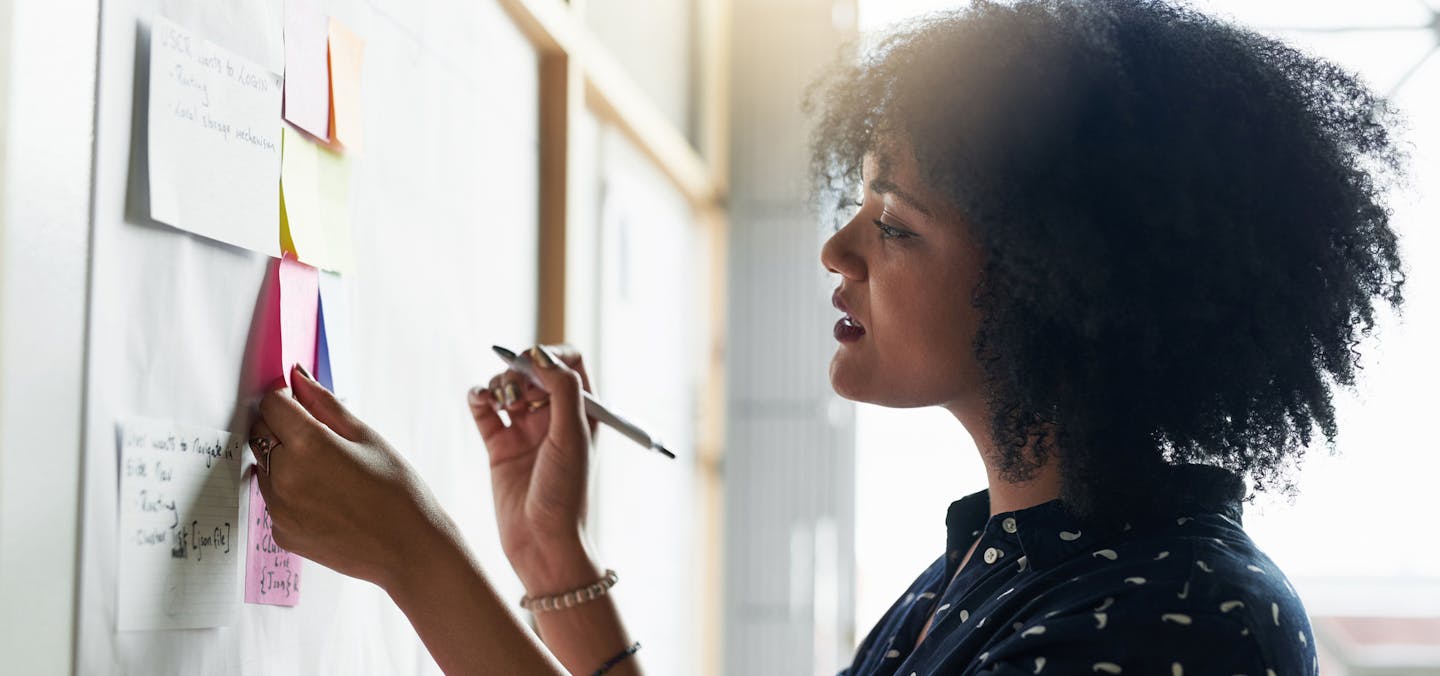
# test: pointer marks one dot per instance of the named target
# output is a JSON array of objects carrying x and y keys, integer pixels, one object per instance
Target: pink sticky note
[
  {"x": 299, "y": 308},
  {"x": 272, "y": 574},
  {"x": 347, "y": 52},
  {"x": 307, "y": 69}
]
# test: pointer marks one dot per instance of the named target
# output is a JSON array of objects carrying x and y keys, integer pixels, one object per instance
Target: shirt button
[
  {"x": 991, "y": 554},
  {"x": 1008, "y": 524}
]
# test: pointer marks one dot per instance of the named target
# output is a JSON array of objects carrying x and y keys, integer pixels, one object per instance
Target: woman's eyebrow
[{"x": 882, "y": 187}]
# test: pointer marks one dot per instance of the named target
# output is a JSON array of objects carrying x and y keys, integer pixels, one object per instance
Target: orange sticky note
[{"x": 347, "y": 53}]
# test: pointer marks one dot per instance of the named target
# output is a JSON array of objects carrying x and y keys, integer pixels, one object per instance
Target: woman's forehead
[{"x": 893, "y": 170}]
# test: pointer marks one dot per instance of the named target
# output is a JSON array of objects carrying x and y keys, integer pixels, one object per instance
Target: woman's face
[{"x": 907, "y": 268}]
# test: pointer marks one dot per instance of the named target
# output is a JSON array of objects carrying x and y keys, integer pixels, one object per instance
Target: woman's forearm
[
  {"x": 464, "y": 623},
  {"x": 583, "y": 637},
  {"x": 469, "y": 629}
]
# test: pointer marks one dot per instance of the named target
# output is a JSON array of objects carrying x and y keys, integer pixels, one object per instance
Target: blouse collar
[{"x": 1048, "y": 534}]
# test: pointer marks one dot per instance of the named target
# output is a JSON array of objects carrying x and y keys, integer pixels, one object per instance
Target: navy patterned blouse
[{"x": 1186, "y": 594}]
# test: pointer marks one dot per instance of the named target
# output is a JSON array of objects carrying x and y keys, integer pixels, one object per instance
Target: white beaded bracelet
[{"x": 573, "y": 597}]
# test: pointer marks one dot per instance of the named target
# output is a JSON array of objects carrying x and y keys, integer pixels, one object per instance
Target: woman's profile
[{"x": 1131, "y": 248}]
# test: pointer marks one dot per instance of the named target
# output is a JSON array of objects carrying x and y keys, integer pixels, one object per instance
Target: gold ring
[
  {"x": 537, "y": 404},
  {"x": 262, "y": 447}
]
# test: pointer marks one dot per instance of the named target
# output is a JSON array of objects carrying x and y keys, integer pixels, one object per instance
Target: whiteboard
[{"x": 444, "y": 206}]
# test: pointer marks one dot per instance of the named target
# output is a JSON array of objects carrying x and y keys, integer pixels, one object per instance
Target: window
[{"x": 1351, "y": 543}]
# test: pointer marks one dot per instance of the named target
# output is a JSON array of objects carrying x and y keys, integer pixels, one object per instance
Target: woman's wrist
[
  {"x": 435, "y": 542},
  {"x": 557, "y": 569}
]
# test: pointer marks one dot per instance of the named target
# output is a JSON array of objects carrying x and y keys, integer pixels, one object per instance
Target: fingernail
[
  {"x": 511, "y": 394},
  {"x": 303, "y": 372},
  {"x": 476, "y": 394},
  {"x": 542, "y": 356}
]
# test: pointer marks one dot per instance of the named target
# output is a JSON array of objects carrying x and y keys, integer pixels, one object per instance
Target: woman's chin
[{"x": 845, "y": 378}]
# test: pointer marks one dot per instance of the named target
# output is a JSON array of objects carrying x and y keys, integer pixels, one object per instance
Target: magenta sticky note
[
  {"x": 299, "y": 310},
  {"x": 307, "y": 68},
  {"x": 272, "y": 574}
]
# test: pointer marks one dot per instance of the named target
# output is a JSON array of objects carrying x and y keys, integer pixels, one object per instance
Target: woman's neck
[{"x": 1006, "y": 496}]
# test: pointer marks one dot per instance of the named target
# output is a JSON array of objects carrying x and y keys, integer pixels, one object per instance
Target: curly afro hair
[{"x": 1184, "y": 226}]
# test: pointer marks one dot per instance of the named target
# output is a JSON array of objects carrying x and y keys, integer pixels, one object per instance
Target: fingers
[
  {"x": 510, "y": 390},
  {"x": 267, "y": 491},
  {"x": 324, "y": 407},
  {"x": 262, "y": 442},
  {"x": 483, "y": 409},
  {"x": 572, "y": 358},
  {"x": 292, "y": 424},
  {"x": 567, "y": 417}
]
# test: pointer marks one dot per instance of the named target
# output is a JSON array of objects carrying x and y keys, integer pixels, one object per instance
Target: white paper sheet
[
  {"x": 180, "y": 540},
  {"x": 214, "y": 140},
  {"x": 253, "y": 29}
]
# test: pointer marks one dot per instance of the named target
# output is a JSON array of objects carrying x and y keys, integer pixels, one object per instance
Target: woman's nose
[{"x": 839, "y": 256}]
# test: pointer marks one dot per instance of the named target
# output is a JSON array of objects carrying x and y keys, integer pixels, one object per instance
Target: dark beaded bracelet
[{"x": 621, "y": 657}]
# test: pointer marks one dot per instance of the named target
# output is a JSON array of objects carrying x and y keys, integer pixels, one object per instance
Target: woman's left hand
[{"x": 337, "y": 493}]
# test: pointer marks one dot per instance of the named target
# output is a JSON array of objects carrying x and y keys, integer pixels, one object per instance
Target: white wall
[
  {"x": 444, "y": 211},
  {"x": 47, "y": 79}
]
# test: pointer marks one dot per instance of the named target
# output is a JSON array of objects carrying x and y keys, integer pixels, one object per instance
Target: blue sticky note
[
  {"x": 331, "y": 357},
  {"x": 322, "y": 354}
]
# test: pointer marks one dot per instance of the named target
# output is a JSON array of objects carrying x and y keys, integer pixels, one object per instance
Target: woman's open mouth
[{"x": 848, "y": 329}]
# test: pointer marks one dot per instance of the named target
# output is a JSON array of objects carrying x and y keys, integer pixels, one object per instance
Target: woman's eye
[{"x": 890, "y": 231}]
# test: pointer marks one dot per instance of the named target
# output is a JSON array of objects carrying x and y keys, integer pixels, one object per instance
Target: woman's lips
[{"x": 847, "y": 330}]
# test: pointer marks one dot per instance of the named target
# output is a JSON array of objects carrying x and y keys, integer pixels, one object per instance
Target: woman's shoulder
[{"x": 1196, "y": 573}]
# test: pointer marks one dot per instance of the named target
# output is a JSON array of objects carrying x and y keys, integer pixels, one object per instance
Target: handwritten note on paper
[
  {"x": 272, "y": 574},
  {"x": 307, "y": 68},
  {"x": 214, "y": 140},
  {"x": 179, "y": 524},
  {"x": 347, "y": 53}
]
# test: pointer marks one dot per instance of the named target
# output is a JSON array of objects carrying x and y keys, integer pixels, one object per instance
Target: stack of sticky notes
[
  {"x": 224, "y": 133},
  {"x": 322, "y": 105},
  {"x": 239, "y": 155}
]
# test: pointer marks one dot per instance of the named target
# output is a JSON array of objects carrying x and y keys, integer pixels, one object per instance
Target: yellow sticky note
[
  {"x": 302, "y": 230},
  {"x": 334, "y": 195},
  {"x": 347, "y": 52},
  {"x": 315, "y": 197}
]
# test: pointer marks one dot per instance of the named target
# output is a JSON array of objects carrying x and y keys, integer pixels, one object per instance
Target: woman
[{"x": 1127, "y": 246}]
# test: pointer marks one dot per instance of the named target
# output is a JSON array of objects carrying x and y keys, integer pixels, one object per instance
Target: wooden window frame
[{"x": 577, "y": 72}]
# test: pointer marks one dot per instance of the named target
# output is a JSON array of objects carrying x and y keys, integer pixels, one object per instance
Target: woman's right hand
[{"x": 539, "y": 468}]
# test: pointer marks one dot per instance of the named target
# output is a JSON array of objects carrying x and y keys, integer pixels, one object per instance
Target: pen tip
[
  {"x": 505, "y": 354},
  {"x": 665, "y": 451}
]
